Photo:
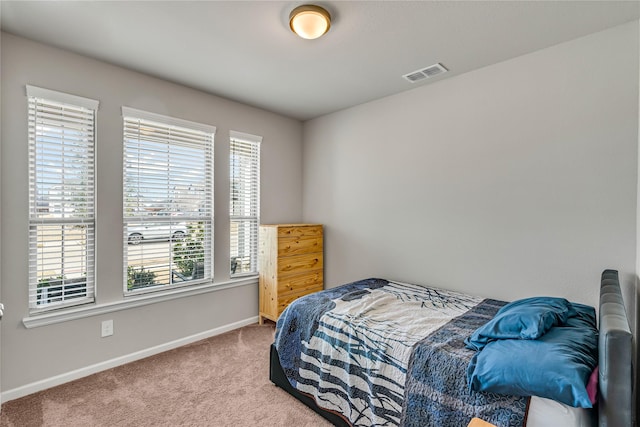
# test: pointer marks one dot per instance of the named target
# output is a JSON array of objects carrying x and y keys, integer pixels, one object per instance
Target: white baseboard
[{"x": 112, "y": 363}]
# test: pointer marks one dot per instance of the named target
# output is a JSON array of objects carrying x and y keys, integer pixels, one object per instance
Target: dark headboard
[{"x": 615, "y": 401}]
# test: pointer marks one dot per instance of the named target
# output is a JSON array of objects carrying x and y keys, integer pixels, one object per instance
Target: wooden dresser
[{"x": 290, "y": 265}]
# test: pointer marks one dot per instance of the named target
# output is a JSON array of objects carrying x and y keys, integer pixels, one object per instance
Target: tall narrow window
[
  {"x": 168, "y": 201},
  {"x": 61, "y": 199},
  {"x": 245, "y": 202}
]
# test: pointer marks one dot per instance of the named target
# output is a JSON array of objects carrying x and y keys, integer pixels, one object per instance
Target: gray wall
[
  {"x": 513, "y": 180},
  {"x": 30, "y": 355}
]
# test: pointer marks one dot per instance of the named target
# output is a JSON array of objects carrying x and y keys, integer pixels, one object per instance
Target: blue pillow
[
  {"x": 555, "y": 366},
  {"x": 528, "y": 319}
]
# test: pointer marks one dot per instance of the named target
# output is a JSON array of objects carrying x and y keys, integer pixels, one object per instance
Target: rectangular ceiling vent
[{"x": 425, "y": 73}]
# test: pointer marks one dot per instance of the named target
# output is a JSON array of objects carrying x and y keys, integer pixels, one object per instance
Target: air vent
[{"x": 425, "y": 73}]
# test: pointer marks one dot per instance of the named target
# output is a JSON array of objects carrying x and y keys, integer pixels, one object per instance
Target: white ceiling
[{"x": 244, "y": 50}]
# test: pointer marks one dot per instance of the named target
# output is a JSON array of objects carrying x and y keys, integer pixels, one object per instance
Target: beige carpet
[{"x": 220, "y": 381}]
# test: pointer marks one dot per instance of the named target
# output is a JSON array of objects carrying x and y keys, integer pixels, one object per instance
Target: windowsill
[{"x": 81, "y": 312}]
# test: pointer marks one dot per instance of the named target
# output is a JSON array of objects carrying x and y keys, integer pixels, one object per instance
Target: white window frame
[
  {"x": 205, "y": 216},
  {"x": 244, "y": 144},
  {"x": 70, "y": 131}
]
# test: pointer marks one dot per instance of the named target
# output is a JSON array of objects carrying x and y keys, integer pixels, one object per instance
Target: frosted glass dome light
[{"x": 309, "y": 21}]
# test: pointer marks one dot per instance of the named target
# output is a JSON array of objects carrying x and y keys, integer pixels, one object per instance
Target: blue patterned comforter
[{"x": 386, "y": 353}]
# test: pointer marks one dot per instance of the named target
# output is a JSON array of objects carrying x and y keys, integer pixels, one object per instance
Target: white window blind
[
  {"x": 61, "y": 133},
  {"x": 245, "y": 202},
  {"x": 168, "y": 201}
]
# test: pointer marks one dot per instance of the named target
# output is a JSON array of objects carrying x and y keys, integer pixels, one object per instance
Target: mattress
[{"x": 545, "y": 413}]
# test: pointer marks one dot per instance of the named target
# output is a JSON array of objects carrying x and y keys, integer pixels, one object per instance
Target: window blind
[
  {"x": 61, "y": 135},
  {"x": 244, "y": 202},
  {"x": 168, "y": 201}
]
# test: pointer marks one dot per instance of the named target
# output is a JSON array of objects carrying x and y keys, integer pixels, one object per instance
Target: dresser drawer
[
  {"x": 300, "y": 231},
  {"x": 288, "y": 246},
  {"x": 292, "y": 284},
  {"x": 299, "y": 264}
]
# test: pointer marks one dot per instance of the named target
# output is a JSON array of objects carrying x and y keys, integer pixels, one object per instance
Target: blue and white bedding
[{"x": 387, "y": 353}]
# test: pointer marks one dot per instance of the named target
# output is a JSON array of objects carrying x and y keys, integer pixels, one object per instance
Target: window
[
  {"x": 244, "y": 159},
  {"x": 61, "y": 199},
  {"x": 168, "y": 201}
]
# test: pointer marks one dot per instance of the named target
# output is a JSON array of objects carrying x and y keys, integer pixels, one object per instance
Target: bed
[{"x": 365, "y": 353}]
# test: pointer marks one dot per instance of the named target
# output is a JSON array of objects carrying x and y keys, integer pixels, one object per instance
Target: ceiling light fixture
[{"x": 309, "y": 21}]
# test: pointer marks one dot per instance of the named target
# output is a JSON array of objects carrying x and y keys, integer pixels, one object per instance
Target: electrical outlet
[{"x": 107, "y": 328}]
